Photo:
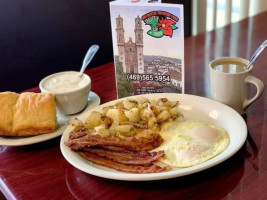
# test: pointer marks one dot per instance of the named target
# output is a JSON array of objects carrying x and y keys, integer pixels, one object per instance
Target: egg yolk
[{"x": 206, "y": 134}]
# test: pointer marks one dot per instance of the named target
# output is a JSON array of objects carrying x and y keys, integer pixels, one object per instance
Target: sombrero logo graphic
[{"x": 161, "y": 23}]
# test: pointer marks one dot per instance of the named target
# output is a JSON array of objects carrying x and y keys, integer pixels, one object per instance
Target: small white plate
[
  {"x": 192, "y": 107},
  {"x": 93, "y": 101}
]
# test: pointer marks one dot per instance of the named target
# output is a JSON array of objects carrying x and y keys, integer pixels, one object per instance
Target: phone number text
[{"x": 148, "y": 77}]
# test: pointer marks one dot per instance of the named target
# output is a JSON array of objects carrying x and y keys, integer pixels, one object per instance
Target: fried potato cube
[
  {"x": 153, "y": 102},
  {"x": 116, "y": 115},
  {"x": 141, "y": 125},
  {"x": 77, "y": 129},
  {"x": 106, "y": 121},
  {"x": 75, "y": 122},
  {"x": 155, "y": 110},
  {"x": 141, "y": 100},
  {"x": 93, "y": 120},
  {"x": 129, "y": 104},
  {"x": 163, "y": 100},
  {"x": 147, "y": 113},
  {"x": 133, "y": 115},
  {"x": 164, "y": 103},
  {"x": 105, "y": 109},
  {"x": 101, "y": 130},
  {"x": 163, "y": 116},
  {"x": 112, "y": 128},
  {"x": 146, "y": 133},
  {"x": 174, "y": 112},
  {"x": 124, "y": 128},
  {"x": 152, "y": 123},
  {"x": 119, "y": 105}
]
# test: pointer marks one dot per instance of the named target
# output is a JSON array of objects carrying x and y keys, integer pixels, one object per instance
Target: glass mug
[{"x": 230, "y": 82}]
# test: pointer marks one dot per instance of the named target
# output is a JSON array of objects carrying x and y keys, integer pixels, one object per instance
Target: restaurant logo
[{"x": 161, "y": 23}]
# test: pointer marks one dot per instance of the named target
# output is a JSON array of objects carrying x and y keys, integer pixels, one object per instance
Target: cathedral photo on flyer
[{"x": 148, "y": 45}]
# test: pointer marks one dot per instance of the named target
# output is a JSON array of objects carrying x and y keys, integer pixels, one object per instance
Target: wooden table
[{"x": 39, "y": 171}]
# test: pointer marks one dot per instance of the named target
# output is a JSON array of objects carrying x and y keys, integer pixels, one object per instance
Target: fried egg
[{"x": 190, "y": 143}]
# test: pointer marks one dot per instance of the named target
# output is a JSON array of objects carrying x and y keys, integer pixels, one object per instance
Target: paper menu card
[{"x": 148, "y": 46}]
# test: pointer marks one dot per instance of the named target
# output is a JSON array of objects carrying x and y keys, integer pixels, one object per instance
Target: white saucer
[{"x": 93, "y": 101}]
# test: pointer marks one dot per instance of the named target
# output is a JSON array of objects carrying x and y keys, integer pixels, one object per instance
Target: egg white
[{"x": 190, "y": 143}]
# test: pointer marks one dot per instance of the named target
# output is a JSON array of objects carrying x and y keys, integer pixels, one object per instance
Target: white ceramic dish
[
  {"x": 70, "y": 90},
  {"x": 193, "y": 108},
  {"x": 93, "y": 101}
]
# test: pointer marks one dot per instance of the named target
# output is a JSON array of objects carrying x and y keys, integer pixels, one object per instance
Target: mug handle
[{"x": 260, "y": 87}]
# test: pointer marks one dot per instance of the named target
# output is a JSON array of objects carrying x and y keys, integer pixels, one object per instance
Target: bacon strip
[
  {"x": 144, "y": 158},
  {"x": 122, "y": 167},
  {"x": 128, "y": 154},
  {"x": 130, "y": 143}
]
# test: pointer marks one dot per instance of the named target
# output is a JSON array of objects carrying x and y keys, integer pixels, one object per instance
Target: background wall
[{"x": 41, "y": 37}]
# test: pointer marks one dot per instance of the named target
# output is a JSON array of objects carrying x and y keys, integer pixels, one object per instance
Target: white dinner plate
[
  {"x": 93, "y": 101},
  {"x": 192, "y": 107}
]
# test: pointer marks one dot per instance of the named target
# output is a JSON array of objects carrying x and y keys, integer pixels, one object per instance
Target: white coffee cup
[
  {"x": 71, "y": 91},
  {"x": 230, "y": 82}
]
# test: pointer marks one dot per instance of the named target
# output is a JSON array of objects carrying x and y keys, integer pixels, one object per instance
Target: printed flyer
[{"x": 148, "y": 46}]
